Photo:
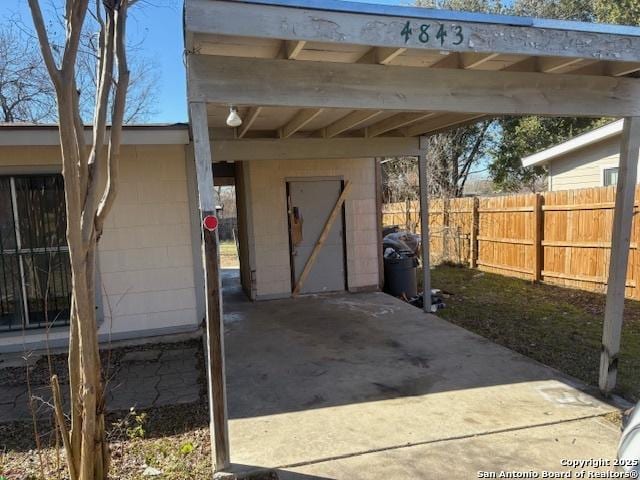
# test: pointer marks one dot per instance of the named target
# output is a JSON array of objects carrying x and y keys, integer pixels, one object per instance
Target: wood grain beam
[
  {"x": 249, "y": 120},
  {"x": 396, "y": 121},
  {"x": 474, "y": 60},
  {"x": 381, "y": 55},
  {"x": 331, "y": 26},
  {"x": 314, "y": 85},
  {"x": 293, "y": 48},
  {"x": 439, "y": 123},
  {"x": 300, "y": 119},
  {"x": 452, "y": 60},
  {"x": 312, "y": 148},
  {"x": 551, "y": 65},
  {"x": 352, "y": 120}
]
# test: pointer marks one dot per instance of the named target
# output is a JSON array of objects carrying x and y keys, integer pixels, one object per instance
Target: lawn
[
  {"x": 557, "y": 326},
  {"x": 228, "y": 255}
]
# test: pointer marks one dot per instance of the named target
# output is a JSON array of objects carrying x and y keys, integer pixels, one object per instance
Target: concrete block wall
[
  {"x": 268, "y": 213},
  {"x": 145, "y": 260}
]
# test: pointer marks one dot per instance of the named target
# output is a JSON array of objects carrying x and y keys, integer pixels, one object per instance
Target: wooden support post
[
  {"x": 538, "y": 249},
  {"x": 475, "y": 226},
  {"x": 424, "y": 231},
  {"x": 214, "y": 320},
  {"x": 379, "y": 220},
  {"x": 620, "y": 240}
]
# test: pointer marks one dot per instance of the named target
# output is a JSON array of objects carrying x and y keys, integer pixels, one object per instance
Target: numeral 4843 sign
[{"x": 437, "y": 34}]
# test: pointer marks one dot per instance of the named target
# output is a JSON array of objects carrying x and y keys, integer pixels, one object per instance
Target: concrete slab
[
  {"x": 535, "y": 449},
  {"x": 327, "y": 377}
]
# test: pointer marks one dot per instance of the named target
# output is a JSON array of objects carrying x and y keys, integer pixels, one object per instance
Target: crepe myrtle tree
[{"x": 90, "y": 171}]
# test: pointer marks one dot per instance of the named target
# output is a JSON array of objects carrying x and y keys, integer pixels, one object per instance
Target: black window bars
[{"x": 35, "y": 277}]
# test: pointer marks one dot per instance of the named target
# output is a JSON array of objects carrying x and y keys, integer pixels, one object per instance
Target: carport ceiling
[{"x": 291, "y": 31}]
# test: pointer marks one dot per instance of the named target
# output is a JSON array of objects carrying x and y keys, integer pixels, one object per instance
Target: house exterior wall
[
  {"x": 145, "y": 261},
  {"x": 584, "y": 168},
  {"x": 269, "y": 241}
]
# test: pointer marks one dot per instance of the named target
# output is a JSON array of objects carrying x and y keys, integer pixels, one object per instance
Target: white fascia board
[
  {"x": 581, "y": 141},
  {"x": 38, "y": 136}
]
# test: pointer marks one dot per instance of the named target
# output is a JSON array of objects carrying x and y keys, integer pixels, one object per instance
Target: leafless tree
[
  {"x": 90, "y": 173},
  {"x": 26, "y": 91},
  {"x": 451, "y": 156}
]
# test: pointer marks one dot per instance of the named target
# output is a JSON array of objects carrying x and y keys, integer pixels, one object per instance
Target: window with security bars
[{"x": 35, "y": 277}]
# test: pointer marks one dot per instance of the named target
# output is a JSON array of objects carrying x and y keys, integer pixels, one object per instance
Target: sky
[{"x": 157, "y": 28}]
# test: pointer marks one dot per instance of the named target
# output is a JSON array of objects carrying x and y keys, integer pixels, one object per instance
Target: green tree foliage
[
  {"x": 517, "y": 137},
  {"x": 522, "y": 136},
  {"x": 622, "y": 12}
]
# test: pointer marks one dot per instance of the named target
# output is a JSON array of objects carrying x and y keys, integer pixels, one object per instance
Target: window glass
[
  {"x": 7, "y": 233},
  {"x": 610, "y": 176}
]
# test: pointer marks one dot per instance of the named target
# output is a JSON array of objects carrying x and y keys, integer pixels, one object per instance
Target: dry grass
[
  {"x": 228, "y": 255},
  {"x": 557, "y": 326},
  {"x": 174, "y": 440}
]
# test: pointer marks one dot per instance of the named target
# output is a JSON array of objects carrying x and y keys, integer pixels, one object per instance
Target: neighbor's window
[
  {"x": 610, "y": 176},
  {"x": 35, "y": 278}
]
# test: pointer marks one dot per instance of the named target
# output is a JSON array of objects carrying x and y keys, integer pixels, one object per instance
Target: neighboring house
[
  {"x": 150, "y": 279},
  {"x": 588, "y": 160}
]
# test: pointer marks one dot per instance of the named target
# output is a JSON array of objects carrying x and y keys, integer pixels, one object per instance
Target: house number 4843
[{"x": 434, "y": 33}]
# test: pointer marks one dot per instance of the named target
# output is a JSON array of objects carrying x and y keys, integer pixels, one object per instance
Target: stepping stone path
[{"x": 139, "y": 377}]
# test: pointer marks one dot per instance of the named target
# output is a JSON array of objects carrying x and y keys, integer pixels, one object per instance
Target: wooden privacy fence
[{"x": 562, "y": 238}]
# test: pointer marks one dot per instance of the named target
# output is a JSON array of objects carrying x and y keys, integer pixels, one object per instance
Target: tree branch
[
  {"x": 110, "y": 190},
  {"x": 45, "y": 47}
]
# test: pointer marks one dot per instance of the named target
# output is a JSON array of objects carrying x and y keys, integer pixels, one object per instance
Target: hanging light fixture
[{"x": 234, "y": 120}]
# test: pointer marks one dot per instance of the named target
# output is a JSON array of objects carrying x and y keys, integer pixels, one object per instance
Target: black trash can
[{"x": 400, "y": 277}]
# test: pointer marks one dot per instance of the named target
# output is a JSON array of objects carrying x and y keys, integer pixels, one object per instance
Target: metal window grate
[{"x": 35, "y": 277}]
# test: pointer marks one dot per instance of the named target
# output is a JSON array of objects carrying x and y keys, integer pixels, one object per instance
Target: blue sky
[{"x": 157, "y": 27}]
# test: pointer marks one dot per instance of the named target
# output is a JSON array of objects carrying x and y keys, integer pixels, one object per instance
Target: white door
[{"x": 310, "y": 203}]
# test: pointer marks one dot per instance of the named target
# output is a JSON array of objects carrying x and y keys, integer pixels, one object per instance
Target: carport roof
[{"x": 330, "y": 69}]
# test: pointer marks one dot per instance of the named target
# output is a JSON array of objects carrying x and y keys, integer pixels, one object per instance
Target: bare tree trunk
[{"x": 91, "y": 175}]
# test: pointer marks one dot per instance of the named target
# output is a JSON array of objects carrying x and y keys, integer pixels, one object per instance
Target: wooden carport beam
[
  {"x": 213, "y": 292},
  {"x": 619, "y": 256},
  {"x": 474, "y": 60},
  {"x": 293, "y": 48},
  {"x": 371, "y": 29},
  {"x": 315, "y": 85},
  {"x": 250, "y": 118},
  {"x": 396, "y": 121},
  {"x": 349, "y": 121},
  {"x": 440, "y": 122},
  {"x": 381, "y": 55},
  {"x": 550, "y": 65},
  {"x": 300, "y": 119}
]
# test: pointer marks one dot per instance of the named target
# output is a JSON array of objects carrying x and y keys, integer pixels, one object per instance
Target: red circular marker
[{"x": 210, "y": 222}]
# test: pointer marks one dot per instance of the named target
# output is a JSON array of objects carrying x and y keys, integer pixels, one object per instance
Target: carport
[{"x": 338, "y": 80}]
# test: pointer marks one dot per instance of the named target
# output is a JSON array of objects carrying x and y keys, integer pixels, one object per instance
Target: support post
[
  {"x": 214, "y": 319},
  {"x": 620, "y": 240},
  {"x": 424, "y": 231},
  {"x": 475, "y": 226},
  {"x": 538, "y": 249}
]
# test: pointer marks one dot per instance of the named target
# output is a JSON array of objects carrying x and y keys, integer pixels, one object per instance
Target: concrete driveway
[{"x": 364, "y": 386}]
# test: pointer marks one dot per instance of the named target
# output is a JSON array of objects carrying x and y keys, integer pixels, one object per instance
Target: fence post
[
  {"x": 538, "y": 231},
  {"x": 475, "y": 225}
]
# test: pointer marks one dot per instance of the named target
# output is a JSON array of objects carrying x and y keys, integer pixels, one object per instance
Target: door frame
[{"x": 338, "y": 178}]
